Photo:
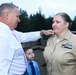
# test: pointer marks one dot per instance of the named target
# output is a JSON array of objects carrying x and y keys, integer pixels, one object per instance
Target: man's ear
[{"x": 7, "y": 14}]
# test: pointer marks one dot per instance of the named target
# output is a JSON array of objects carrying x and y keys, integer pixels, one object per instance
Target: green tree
[
  {"x": 37, "y": 22},
  {"x": 73, "y": 28},
  {"x": 49, "y": 22},
  {"x": 23, "y": 25}
]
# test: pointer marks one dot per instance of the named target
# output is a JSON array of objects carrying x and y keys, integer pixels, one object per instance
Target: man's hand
[{"x": 46, "y": 32}]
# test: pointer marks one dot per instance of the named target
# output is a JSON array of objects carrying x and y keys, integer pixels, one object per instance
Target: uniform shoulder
[{"x": 74, "y": 36}]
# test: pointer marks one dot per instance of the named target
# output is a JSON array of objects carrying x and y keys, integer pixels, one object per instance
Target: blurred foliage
[
  {"x": 37, "y": 22},
  {"x": 73, "y": 28}
]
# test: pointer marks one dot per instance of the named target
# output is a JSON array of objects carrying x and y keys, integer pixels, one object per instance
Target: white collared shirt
[{"x": 12, "y": 60}]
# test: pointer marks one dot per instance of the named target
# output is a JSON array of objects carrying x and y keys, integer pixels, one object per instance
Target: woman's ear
[{"x": 67, "y": 24}]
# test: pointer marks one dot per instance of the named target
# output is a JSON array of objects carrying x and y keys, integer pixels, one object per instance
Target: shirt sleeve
[{"x": 28, "y": 36}]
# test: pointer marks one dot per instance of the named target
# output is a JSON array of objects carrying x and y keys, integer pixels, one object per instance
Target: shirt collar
[{"x": 5, "y": 27}]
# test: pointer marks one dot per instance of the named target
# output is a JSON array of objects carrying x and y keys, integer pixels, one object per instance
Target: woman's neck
[{"x": 61, "y": 35}]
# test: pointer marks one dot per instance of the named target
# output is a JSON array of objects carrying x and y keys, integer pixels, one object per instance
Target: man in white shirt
[{"x": 12, "y": 59}]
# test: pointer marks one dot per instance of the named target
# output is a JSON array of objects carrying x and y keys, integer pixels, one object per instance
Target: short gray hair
[{"x": 7, "y": 6}]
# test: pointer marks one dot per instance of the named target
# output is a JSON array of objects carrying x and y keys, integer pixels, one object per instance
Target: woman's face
[{"x": 59, "y": 25}]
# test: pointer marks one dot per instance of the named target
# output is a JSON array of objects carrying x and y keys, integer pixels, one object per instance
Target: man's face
[{"x": 14, "y": 19}]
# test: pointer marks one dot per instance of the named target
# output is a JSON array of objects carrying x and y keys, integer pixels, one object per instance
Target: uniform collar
[{"x": 65, "y": 37}]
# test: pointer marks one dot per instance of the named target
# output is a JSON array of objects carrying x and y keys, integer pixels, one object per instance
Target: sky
[{"x": 47, "y": 7}]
